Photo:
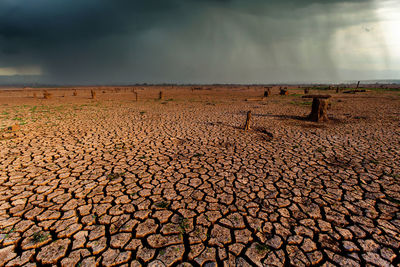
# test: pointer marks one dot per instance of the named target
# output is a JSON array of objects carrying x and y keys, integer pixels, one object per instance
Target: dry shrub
[{"x": 47, "y": 95}]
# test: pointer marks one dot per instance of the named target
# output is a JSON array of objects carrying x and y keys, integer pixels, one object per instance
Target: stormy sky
[{"x": 200, "y": 41}]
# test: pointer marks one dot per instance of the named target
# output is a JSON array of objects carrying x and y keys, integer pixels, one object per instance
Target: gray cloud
[{"x": 103, "y": 41}]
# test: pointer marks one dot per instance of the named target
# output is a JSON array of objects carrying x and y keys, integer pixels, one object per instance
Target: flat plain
[{"x": 112, "y": 181}]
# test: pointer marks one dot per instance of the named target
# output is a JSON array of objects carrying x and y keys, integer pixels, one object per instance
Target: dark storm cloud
[{"x": 171, "y": 40}]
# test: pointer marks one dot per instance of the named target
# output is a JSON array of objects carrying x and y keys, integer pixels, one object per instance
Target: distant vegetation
[
  {"x": 388, "y": 89},
  {"x": 384, "y": 89}
]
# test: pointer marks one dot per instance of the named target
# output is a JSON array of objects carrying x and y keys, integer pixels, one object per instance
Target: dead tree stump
[
  {"x": 319, "y": 110},
  {"x": 161, "y": 95},
  {"x": 93, "y": 93},
  {"x": 136, "y": 96},
  {"x": 248, "y": 121},
  {"x": 267, "y": 92}
]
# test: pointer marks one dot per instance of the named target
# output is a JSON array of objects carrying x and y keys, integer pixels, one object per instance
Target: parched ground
[{"x": 116, "y": 182}]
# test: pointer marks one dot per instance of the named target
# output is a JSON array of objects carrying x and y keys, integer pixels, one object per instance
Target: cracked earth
[{"x": 177, "y": 182}]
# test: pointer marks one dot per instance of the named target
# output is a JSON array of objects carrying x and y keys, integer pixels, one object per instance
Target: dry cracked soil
[{"x": 176, "y": 182}]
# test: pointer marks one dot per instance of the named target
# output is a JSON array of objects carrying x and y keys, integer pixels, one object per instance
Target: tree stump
[
  {"x": 248, "y": 121},
  {"x": 319, "y": 110},
  {"x": 93, "y": 93},
  {"x": 161, "y": 95},
  {"x": 267, "y": 92},
  {"x": 306, "y": 90},
  {"x": 136, "y": 96},
  {"x": 75, "y": 93}
]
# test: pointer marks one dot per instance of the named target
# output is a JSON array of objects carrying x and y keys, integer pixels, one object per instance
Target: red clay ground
[{"x": 176, "y": 181}]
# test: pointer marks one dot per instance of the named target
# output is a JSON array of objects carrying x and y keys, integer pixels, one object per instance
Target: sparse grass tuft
[
  {"x": 262, "y": 248},
  {"x": 5, "y": 233},
  {"x": 183, "y": 224},
  {"x": 39, "y": 237},
  {"x": 162, "y": 204},
  {"x": 114, "y": 176}
]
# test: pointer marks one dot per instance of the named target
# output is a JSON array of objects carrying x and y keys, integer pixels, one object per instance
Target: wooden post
[
  {"x": 337, "y": 89},
  {"x": 248, "y": 121},
  {"x": 358, "y": 84},
  {"x": 136, "y": 96},
  {"x": 161, "y": 95},
  {"x": 93, "y": 93},
  {"x": 319, "y": 110}
]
